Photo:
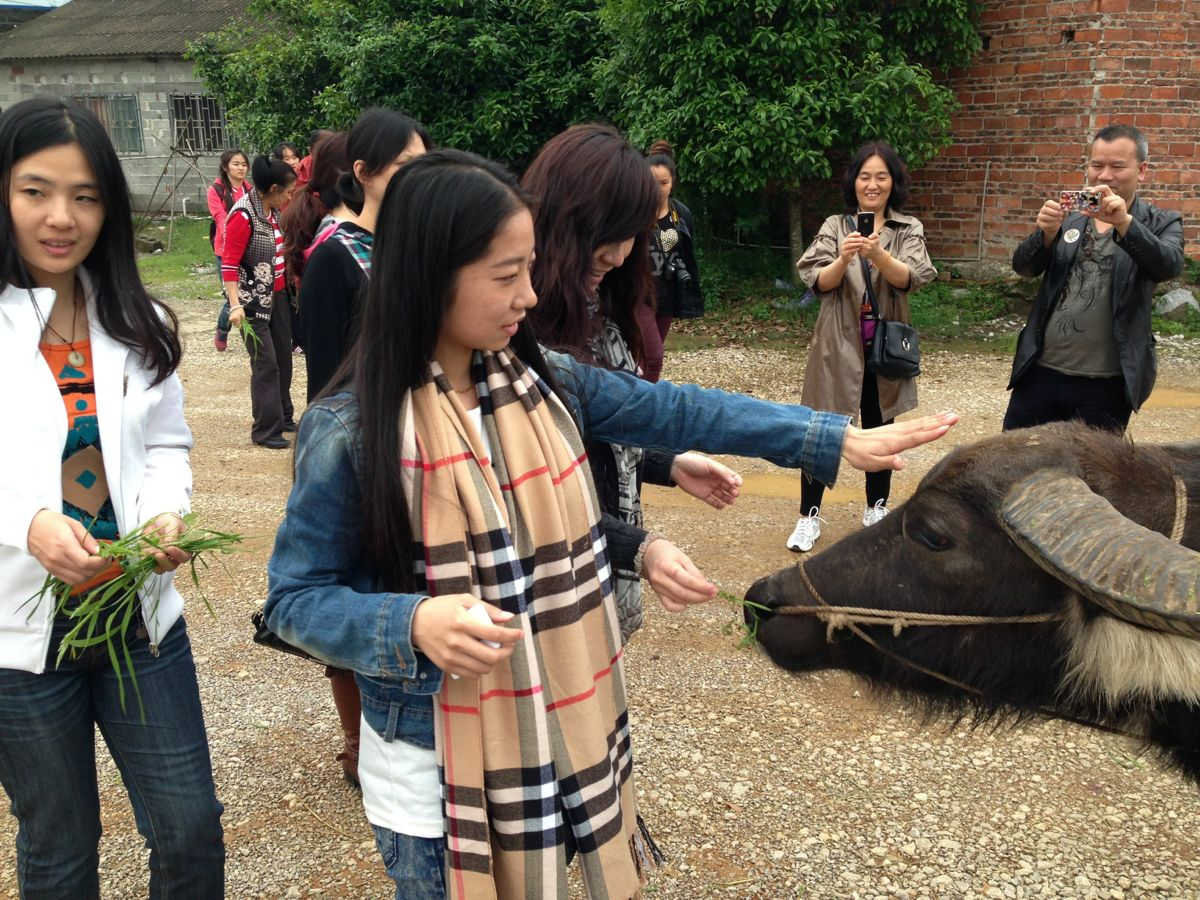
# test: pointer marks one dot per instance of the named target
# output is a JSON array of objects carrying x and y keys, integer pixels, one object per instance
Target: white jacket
[{"x": 145, "y": 442}]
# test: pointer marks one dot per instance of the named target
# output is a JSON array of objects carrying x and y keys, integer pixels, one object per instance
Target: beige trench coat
[{"x": 833, "y": 378}]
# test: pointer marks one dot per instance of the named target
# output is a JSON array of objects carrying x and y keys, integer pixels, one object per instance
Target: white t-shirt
[{"x": 400, "y": 786}]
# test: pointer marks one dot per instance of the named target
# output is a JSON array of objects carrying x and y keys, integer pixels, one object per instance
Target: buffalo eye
[{"x": 934, "y": 540}]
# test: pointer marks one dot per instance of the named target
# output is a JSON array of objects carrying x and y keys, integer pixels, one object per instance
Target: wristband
[{"x": 639, "y": 559}]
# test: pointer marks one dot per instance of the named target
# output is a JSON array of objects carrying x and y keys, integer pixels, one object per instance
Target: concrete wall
[
  {"x": 1051, "y": 75},
  {"x": 157, "y": 180}
]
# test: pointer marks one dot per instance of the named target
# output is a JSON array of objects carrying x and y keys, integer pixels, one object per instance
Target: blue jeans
[
  {"x": 223, "y": 316},
  {"x": 48, "y": 769},
  {"x": 414, "y": 863}
]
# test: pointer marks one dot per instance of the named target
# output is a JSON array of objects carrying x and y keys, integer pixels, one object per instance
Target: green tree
[
  {"x": 498, "y": 77},
  {"x": 760, "y": 93}
]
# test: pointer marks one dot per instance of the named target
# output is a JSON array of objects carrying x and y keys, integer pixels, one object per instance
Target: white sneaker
[
  {"x": 808, "y": 529},
  {"x": 876, "y": 513}
]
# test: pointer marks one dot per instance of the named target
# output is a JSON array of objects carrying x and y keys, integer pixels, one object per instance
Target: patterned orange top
[{"x": 85, "y": 491}]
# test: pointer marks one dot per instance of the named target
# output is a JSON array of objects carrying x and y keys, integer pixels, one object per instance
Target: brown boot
[{"x": 349, "y": 710}]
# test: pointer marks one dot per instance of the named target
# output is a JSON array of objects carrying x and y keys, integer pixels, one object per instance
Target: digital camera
[
  {"x": 1084, "y": 201},
  {"x": 677, "y": 272}
]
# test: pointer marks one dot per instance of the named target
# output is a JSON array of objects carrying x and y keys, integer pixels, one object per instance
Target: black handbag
[
  {"x": 267, "y": 638},
  {"x": 895, "y": 351}
]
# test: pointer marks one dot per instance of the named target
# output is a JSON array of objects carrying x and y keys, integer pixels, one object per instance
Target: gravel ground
[{"x": 756, "y": 783}]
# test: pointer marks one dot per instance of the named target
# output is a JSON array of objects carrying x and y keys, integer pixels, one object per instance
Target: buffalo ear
[{"x": 1078, "y": 537}]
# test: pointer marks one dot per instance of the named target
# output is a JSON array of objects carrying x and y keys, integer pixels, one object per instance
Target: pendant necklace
[{"x": 74, "y": 357}]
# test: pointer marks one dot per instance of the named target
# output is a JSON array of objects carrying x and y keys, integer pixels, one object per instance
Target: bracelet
[{"x": 639, "y": 558}]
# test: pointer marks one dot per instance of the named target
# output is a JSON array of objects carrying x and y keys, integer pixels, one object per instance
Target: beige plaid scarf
[{"x": 534, "y": 757}]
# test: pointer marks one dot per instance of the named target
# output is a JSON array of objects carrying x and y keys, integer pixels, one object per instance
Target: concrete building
[{"x": 124, "y": 60}]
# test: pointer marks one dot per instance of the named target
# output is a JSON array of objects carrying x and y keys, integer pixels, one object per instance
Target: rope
[
  {"x": 832, "y": 615},
  {"x": 836, "y": 617}
]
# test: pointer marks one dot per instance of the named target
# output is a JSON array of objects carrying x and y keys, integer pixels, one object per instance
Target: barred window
[
  {"x": 197, "y": 123},
  {"x": 121, "y": 118}
]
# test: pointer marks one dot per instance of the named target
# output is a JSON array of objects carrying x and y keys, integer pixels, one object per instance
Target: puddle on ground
[
  {"x": 1172, "y": 398},
  {"x": 785, "y": 484}
]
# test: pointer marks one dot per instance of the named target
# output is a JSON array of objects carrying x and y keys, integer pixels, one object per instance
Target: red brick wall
[{"x": 1035, "y": 95}]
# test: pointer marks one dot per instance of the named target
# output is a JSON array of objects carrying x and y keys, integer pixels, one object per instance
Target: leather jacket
[{"x": 1151, "y": 251}]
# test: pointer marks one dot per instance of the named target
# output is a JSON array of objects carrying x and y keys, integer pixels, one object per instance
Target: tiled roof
[{"x": 115, "y": 28}]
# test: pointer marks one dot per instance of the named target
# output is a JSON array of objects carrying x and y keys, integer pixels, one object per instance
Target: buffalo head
[{"x": 1069, "y": 527}]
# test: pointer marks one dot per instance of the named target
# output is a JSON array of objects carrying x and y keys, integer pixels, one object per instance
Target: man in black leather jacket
[{"x": 1087, "y": 351}]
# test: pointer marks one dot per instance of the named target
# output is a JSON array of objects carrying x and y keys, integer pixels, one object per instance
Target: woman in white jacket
[{"x": 96, "y": 446}]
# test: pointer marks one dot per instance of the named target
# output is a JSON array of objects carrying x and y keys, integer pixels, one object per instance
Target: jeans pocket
[
  {"x": 385, "y": 841},
  {"x": 413, "y": 863}
]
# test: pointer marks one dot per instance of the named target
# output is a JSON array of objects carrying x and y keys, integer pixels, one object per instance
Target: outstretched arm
[{"x": 876, "y": 449}]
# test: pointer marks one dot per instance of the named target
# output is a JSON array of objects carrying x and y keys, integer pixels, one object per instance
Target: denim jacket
[{"x": 323, "y": 598}]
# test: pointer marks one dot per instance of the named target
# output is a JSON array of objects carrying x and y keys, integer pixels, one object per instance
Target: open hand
[
  {"x": 674, "y": 577},
  {"x": 443, "y": 631},
  {"x": 876, "y": 449},
  {"x": 706, "y": 479},
  {"x": 64, "y": 548}
]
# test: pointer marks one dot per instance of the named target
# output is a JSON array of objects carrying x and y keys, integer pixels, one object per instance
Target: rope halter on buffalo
[{"x": 836, "y": 617}]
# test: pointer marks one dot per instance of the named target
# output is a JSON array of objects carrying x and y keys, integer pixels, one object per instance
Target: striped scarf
[{"x": 534, "y": 757}]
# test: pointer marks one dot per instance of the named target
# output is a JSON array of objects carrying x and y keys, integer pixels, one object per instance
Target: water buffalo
[{"x": 1087, "y": 539}]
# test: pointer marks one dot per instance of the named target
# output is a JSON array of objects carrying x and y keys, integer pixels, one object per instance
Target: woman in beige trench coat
[{"x": 836, "y": 378}]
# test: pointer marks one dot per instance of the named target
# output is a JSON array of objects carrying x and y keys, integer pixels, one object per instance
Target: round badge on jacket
[{"x": 1071, "y": 236}]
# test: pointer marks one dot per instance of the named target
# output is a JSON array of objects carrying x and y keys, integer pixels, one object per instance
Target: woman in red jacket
[{"x": 227, "y": 190}]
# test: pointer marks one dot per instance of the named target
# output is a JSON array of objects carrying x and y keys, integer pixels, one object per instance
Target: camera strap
[{"x": 866, "y": 270}]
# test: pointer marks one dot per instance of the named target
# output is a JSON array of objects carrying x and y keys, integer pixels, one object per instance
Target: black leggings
[{"x": 879, "y": 484}]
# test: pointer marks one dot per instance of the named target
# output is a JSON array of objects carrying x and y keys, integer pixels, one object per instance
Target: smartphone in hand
[
  {"x": 866, "y": 223},
  {"x": 1084, "y": 201}
]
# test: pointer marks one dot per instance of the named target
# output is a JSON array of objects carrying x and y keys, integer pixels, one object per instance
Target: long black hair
[
  {"x": 127, "y": 312},
  {"x": 377, "y": 138},
  {"x": 226, "y": 158},
  {"x": 270, "y": 173},
  {"x": 439, "y": 214}
]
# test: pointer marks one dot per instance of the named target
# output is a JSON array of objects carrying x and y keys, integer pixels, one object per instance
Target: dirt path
[{"x": 755, "y": 783}]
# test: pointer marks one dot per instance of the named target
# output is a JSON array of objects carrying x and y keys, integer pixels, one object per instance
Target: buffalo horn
[{"x": 1078, "y": 537}]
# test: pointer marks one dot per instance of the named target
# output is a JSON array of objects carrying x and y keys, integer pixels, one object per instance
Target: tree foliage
[
  {"x": 498, "y": 77},
  {"x": 759, "y": 92}
]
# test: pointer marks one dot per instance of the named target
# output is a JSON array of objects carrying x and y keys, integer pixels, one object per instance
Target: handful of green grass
[
  {"x": 103, "y": 615},
  {"x": 249, "y": 335},
  {"x": 749, "y": 633}
]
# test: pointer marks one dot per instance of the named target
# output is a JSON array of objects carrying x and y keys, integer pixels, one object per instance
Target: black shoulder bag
[
  {"x": 267, "y": 638},
  {"x": 894, "y": 352}
]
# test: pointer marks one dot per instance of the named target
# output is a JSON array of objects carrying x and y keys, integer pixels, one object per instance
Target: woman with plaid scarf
[{"x": 443, "y": 521}]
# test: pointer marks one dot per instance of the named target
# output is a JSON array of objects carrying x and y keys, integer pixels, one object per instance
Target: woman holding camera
[
  {"x": 836, "y": 266},
  {"x": 672, "y": 262}
]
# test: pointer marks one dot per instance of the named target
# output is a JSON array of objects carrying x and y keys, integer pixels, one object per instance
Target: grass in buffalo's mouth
[
  {"x": 102, "y": 616},
  {"x": 748, "y": 632}
]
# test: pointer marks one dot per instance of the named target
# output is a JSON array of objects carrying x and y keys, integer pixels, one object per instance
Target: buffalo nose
[{"x": 758, "y": 602}]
